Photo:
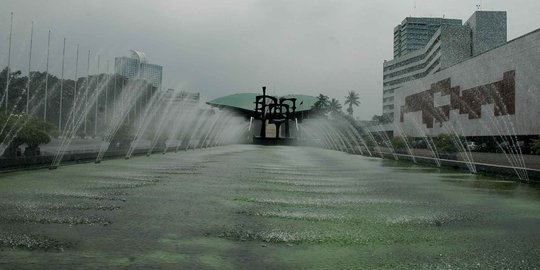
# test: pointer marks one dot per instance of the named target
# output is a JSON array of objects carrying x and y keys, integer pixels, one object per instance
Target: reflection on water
[{"x": 249, "y": 207}]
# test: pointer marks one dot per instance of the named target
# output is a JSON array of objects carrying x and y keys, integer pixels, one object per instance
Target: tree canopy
[
  {"x": 334, "y": 107},
  {"x": 19, "y": 129},
  {"x": 322, "y": 104},
  {"x": 352, "y": 99}
]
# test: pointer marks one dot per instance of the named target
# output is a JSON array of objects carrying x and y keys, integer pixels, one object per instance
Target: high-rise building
[
  {"x": 449, "y": 43},
  {"x": 137, "y": 67},
  {"x": 414, "y": 33}
]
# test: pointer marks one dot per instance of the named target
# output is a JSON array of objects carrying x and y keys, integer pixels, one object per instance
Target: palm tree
[
  {"x": 334, "y": 106},
  {"x": 321, "y": 105},
  {"x": 352, "y": 100}
]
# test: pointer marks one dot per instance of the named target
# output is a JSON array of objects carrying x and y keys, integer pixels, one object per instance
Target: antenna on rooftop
[{"x": 414, "y": 9}]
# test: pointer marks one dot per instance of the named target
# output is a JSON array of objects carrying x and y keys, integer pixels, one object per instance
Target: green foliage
[
  {"x": 112, "y": 88},
  {"x": 381, "y": 119},
  {"x": 321, "y": 106},
  {"x": 535, "y": 145},
  {"x": 124, "y": 134},
  {"x": 399, "y": 142},
  {"x": 445, "y": 144},
  {"x": 22, "y": 128},
  {"x": 352, "y": 100},
  {"x": 335, "y": 108},
  {"x": 369, "y": 142}
]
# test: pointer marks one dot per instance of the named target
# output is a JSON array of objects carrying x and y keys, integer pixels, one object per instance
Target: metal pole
[
  {"x": 61, "y": 88},
  {"x": 97, "y": 100},
  {"x": 107, "y": 92},
  {"x": 86, "y": 92},
  {"x": 76, "y": 79},
  {"x": 9, "y": 62},
  {"x": 47, "y": 77},
  {"x": 114, "y": 94},
  {"x": 29, "y": 67}
]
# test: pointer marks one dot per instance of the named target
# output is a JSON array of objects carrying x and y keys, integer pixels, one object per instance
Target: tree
[
  {"x": 352, "y": 100},
  {"x": 321, "y": 105},
  {"x": 399, "y": 143},
  {"x": 381, "y": 119},
  {"x": 123, "y": 136},
  {"x": 334, "y": 107},
  {"x": 535, "y": 146},
  {"x": 17, "y": 89},
  {"x": 24, "y": 129},
  {"x": 445, "y": 144}
]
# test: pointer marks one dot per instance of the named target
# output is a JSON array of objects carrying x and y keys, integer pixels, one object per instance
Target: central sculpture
[{"x": 273, "y": 110}]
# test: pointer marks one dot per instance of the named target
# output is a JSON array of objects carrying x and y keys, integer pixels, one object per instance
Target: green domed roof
[
  {"x": 243, "y": 101},
  {"x": 246, "y": 101}
]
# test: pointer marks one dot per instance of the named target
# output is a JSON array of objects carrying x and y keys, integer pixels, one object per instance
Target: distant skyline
[{"x": 225, "y": 47}]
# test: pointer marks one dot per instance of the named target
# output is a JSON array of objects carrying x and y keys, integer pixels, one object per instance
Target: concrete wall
[{"x": 465, "y": 93}]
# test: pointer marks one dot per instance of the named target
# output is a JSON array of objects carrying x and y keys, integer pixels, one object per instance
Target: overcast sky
[{"x": 220, "y": 47}]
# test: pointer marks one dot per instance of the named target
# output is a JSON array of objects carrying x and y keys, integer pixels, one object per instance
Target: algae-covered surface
[{"x": 255, "y": 207}]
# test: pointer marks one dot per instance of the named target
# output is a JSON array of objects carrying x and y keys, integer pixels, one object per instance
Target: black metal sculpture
[{"x": 275, "y": 111}]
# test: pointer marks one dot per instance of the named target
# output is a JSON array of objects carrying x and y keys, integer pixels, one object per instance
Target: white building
[
  {"x": 137, "y": 67},
  {"x": 451, "y": 43}
]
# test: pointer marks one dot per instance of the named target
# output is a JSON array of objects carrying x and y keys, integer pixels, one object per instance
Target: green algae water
[{"x": 255, "y": 207}]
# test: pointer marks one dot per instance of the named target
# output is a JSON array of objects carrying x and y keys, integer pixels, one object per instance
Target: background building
[
  {"x": 496, "y": 93},
  {"x": 414, "y": 33},
  {"x": 137, "y": 67},
  {"x": 449, "y": 43}
]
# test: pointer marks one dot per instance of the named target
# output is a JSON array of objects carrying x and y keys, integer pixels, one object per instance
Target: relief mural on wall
[{"x": 501, "y": 93}]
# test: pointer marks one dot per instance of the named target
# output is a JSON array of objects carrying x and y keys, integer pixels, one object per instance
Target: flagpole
[
  {"x": 97, "y": 99},
  {"x": 9, "y": 62},
  {"x": 47, "y": 76},
  {"x": 61, "y": 88},
  {"x": 86, "y": 93},
  {"x": 76, "y": 79},
  {"x": 29, "y": 68},
  {"x": 107, "y": 93}
]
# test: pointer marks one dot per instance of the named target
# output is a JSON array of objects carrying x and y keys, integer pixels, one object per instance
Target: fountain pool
[{"x": 254, "y": 207}]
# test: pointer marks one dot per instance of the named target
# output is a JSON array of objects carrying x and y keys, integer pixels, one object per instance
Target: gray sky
[{"x": 220, "y": 47}]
